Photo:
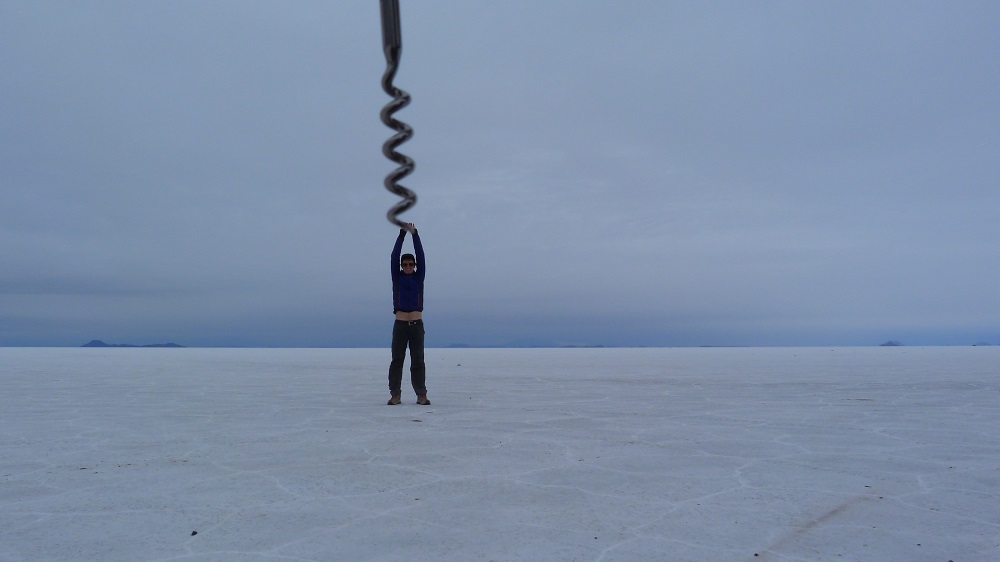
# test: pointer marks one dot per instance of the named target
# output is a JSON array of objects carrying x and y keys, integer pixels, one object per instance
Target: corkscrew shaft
[{"x": 392, "y": 46}]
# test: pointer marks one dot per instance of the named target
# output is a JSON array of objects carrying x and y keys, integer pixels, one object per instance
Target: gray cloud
[{"x": 642, "y": 173}]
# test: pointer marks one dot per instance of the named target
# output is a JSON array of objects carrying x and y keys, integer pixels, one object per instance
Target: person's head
[{"x": 407, "y": 263}]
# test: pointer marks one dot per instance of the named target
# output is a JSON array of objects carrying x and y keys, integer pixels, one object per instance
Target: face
[{"x": 407, "y": 265}]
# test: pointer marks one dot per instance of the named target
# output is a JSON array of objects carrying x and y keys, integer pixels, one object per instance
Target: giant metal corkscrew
[{"x": 392, "y": 45}]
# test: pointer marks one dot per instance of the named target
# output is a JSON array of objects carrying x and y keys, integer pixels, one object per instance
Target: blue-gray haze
[{"x": 588, "y": 172}]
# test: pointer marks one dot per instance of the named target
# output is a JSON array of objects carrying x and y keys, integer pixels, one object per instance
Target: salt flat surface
[{"x": 873, "y": 454}]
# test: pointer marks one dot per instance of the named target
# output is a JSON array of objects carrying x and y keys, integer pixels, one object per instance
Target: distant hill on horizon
[{"x": 99, "y": 343}]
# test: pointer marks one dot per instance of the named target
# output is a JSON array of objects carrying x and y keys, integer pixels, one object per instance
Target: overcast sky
[{"x": 588, "y": 172}]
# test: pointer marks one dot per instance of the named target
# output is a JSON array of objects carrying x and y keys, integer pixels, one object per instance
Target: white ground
[{"x": 873, "y": 454}]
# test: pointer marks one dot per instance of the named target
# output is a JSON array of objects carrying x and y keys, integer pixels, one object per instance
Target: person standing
[{"x": 408, "y": 304}]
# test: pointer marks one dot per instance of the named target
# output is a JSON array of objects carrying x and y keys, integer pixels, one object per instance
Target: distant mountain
[
  {"x": 530, "y": 342},
  {"x": 99, "y": 343},
  {"x": 891, "y": 344}
]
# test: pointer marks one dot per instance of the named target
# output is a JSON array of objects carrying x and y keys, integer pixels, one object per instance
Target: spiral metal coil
[{"x": 392, "y": 45}]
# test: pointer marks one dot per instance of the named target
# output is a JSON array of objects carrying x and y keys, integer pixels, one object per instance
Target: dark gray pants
[{"x": 407, "y": 333}]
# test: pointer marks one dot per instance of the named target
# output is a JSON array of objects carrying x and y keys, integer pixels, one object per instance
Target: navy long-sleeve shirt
[{"x": 408, "y": 289}]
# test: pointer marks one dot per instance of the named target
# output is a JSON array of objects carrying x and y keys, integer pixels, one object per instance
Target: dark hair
[{"x": 404, "y": 256}]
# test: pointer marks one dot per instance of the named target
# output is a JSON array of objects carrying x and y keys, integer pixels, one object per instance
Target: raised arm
[
  {"x": 418, "y": 250},
  {"x": 396, "y": 250}
]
